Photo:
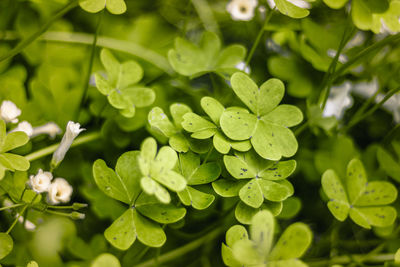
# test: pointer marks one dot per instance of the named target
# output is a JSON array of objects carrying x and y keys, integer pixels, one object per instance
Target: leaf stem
[
  {"x": 50, "y": 149},
  {"x": 90, "y": 65},
  {"x": 356, "y": 120},
  {"x": 258, "y": 38},
  {"x": 184, "y": 249},
  {"x": 12, "y": 206},
  {"x": 346, "y": 259},
  {"x": 39, "y": 32},
  {"x": 208, "y": 155}
]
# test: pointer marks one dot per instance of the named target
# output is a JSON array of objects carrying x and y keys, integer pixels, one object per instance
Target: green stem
[
  {"x": 355, "y": 121},
  {"x": 208, "y": 155},
  {"x": 42, "y": 29},
  {"x": 89, "y": 69},
  {"x": 258, "y": 38},
  {"x": 366, "y": 104},
  {"x": 16, "y": 219},
  {"x": 58, "y": 213},
  {"x": 11, "y": 207},
  {"x": 50, "y": 149},
  {"x": 346, "y": 259},
  {"x": 184, "y": 249},
  {"x": 300, "y": 129}
]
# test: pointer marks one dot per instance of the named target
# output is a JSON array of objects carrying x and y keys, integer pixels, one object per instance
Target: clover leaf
[
  {"x": 159, "y": 121},
  {"x": 388, "y": 163},
  {"x": 365, "y": 202},
  {"x": 289, "y": 9},
  {"x": 245, "y": 213},
  {"x": 240, "y": 250},
  {"x": 6, "y": 245},
  {"x": 157, "y": 170},
  {"x": 267, "y": 126},
  {"x": 124, "y": 184},
  {"x": 202, "y": 128},
  {"x": 113, "y": 6},
  {"x": 264, "y": 179},
  {"x": 196, "y": 174},
  {"x": 191, "y": 60},
  {"x": 120, "y": 87},
  {"x": 10, "y": 161}
]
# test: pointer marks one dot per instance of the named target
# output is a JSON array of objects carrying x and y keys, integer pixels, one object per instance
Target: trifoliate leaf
[
  {"x": 113, "y": 6},
  {"x": 6, "y": 245},
  {"x": 195, "y": 198},
  {"x": 196, "y": 174},
  {"x": 122, "y": 232},
  {"x": 191, "y": 60},
  {"x": 213, "y": 108},
  {"x": 267, "y": 178},
  {"x": 267, "y": 127},
  {"x": 364, "y": 201},
  {"x": 121, "y": 87},
  {"x": 291, "y": 10},
  {"x": 148, "y": 232},
  {"x": 234, "y": 234},
  {"x": 106, "y": 260},
  {"x": 228, "y": 188}
]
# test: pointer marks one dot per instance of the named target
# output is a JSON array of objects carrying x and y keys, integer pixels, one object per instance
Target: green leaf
[
  {"x": 122, "y": 232},
  {"x": 262, "y": 231},
  {"x": 244, "y": 213},
  {"x": 244, "y": 251},
  {"x": 151, "y": 187},
  {"x": 376, "y": 216},
  {"x": 195, "y": 198},
  {"x": 14, "y": 140},
  {"x": 106, "y": 260},
  {"x": 148, "y": 232},
  {"x": 212, "y": 107},
  {"x": 388, "y": 164},
  {"x": 111, "y": 183},
  {"x": 251, "y": 194},
  {"x": 150, "y": 207},
  {"x": 293, "y": 243},
  {"x": 356, "y": 179},
  {"x": 335, "y": 3},
  {"x": 178, "y": 110},
  {"x": 6, "y": 245},
  {"x": 158, "y": 119},
  {"x": 194, "y": 123},
  {"x": 14, "y": 162},
  {"x": 291, "y": 10},
  {"x": 290, "y": 208},
  {"x": 228, "y": 188},
  {"x": 148, "y": 151},
  {"x": 196, "y": 174},
  {"x": 113, "y": 6}
]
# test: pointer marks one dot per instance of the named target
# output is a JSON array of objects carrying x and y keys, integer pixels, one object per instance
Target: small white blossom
[
  {"x": 25, "y": 127},
  {"x": 9, "y": 112},
  {"x": 242, "y": 66},
  {"x": 51, "y": 129},
  {"x": 242, "y": 9},
  {"x": 339, "y": 101},
  {"x": 298, "y": 3},
  {"x": 59, "y": 191},
  {"x": 30, "y": 226},
  {"x": 72, "y": 131},
  {"x": 41, "y": 181},
  {"x": 332, "y": 53}
]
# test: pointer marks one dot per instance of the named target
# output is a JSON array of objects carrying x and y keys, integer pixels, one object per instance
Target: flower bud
[
  {"x": 25, "y": 127},
  {"x": 72, "y": 131},
  {"x": 59, "y": 191},
  {"x": 51, "y": 129},
  {"x": 242, "y": 9},
  {"x": 77, "y": 215},
  {"x": 9, "y": 112},
  {"x": 41, "y": 181},
  {"x": 78, "y": 206}
]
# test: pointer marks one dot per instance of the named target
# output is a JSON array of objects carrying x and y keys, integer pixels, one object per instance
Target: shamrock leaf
[
  {"x": 123, "y": 184},
  {"x": 191, "y": 60},
  {"x": 196, "y": 174},
  {"x": 121, "y": 87},
  {"x": 265, "y": 179},
  {"x": 245, "y": 213},
  {"x": 157, "y": 170},
  {"x": 365, "y": 202},
  {"x": 202, "y": 128},
  {"x": 10, "y": 161},
  {"x": 113, "y": 6},
  {"x": 106, "y": 259},
  {"x": 240, "y": 250},
  {"x": 289, "y": 9},
  {"x": 6, "y": 245},
  {"x": 388, "y": 163},
  {"x": 159, "y": 121},
  {"x": 267, "y": 126}
]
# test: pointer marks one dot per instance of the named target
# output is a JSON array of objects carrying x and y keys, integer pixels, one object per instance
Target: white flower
[
  {"x": 339, "y": 101},
  {"x": 59, "y": 191},
  {"x": 242, "y": 9},
  {"x": 25, "y": 127},
  {"x": 41, "y": 181},
  {"x": 72, "y": 131},
  {"x": 332, "y": 53},
  {"x": 9, "y": 111},
  {"x": 242, "y": 66},
  {"x": 50, "y": 129},
  {"x": 298, "y": 3}
]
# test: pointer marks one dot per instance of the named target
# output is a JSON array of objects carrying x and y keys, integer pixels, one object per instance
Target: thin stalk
[
  {"x": 366, "y": 104},
  {"x": 176, "y": 253},
  {"x": 50, "y": 149},
  {"x": 346, "y": 259},
  {"x": 39, "y": 32},
  {"x": 300, "y": 129},
  {"x": 258, "y": 38},
  {"x": 16, "y": 219},
  {"x": 355, "y": 121},
  {"x": 90, "y": 65},
  {"x": 12, "y": 206},
  {"x": 208, "y": 155}
]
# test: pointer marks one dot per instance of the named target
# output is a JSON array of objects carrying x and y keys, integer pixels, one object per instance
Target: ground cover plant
[{"x": 199, "y": 133}]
